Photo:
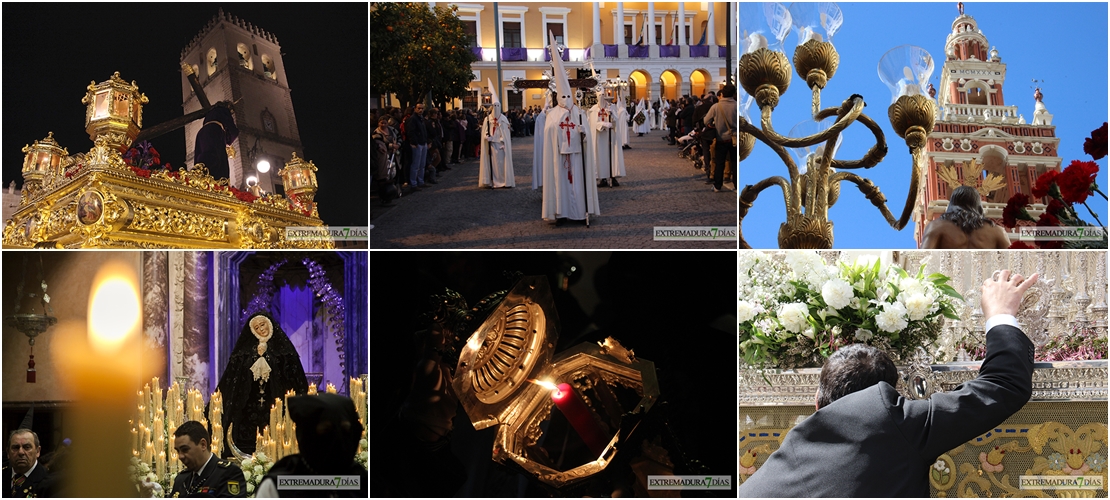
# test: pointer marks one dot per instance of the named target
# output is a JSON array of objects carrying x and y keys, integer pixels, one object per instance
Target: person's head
[
  {"x": 728, "y": 91},
  {"x": 383, "y": 122},
  {"x": 419, "y": 109},
  {"x": 328, "y": 431},
  {"x": 967, "y": 198},
  {"x": 261, "y": 326},
  {"x": 852, "y": 368},
  {"x": 191, "y": 442},
  {"x": 23, "y": 449}
]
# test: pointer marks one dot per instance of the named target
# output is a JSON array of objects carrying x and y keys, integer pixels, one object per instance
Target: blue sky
[{"x": 1063, "y": 44}]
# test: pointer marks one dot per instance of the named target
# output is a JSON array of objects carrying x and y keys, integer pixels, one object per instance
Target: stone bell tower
[
  {"x": 237, "y": 61},
  {"x": 978, "y": 141}
]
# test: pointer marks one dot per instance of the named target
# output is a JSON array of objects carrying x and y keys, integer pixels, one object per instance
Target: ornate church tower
[
  {"x": 979, "y": 141},
  {"x": 238, "y": 62}
]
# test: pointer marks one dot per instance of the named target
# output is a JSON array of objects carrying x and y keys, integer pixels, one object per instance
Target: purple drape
[
  {"x": 611, "y": 51},
  {"x": 514, "y": 54},
  {"x": 699, "y": 51},
  {"x": 640, "y": 51},
  {"x": 477, "y": 51},
  {"x": 722, "y": 51},
  {"x": 668, "y": 51},
  {"x": 547, "y": 54}
]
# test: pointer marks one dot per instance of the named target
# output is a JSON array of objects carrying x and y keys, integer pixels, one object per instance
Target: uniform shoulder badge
[
  {"x": 224, "y": 463},
  {"x": 233, "y": 487}
]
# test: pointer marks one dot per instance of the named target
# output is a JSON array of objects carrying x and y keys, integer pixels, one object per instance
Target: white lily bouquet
[
  {"x": 254, "y": 469},
  {"x": 796, "y": 312}
]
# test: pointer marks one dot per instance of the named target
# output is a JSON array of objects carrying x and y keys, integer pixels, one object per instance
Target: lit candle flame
[
  {"x": 114, "y": 308},
  {"x": 546, "y": 384}
]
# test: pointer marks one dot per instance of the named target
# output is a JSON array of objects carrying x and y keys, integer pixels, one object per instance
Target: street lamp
[{"x": 765, "y": 74}]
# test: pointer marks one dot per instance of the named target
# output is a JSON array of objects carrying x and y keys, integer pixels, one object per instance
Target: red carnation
[
  {"x": 1044, "y": 184},
  {"x": 1076, "y": 181},
  {"x": 1015, "y": 209},
  {"x": 1095, "y": 145},
  {"x": 1048, "y": 219},
  {"x": 1055, "y": 207}
]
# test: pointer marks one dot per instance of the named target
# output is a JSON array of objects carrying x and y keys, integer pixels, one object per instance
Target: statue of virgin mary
[{"x": 262, "y": 367}]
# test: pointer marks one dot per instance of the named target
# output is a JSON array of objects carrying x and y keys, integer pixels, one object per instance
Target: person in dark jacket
[
  {"x": 450, "y": 139},
  {"x": 213, "y": 138},
  {"x": 866, "y": 440},
  {"x": 687, "y": 116},
  {"x": 416, "y": 133}
]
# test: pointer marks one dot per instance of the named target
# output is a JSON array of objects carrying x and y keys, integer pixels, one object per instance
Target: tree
[{"x": 415, "y": 51}]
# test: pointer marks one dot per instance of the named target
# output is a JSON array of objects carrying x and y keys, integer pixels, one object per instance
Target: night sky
[{"x": 52, "y": 52}]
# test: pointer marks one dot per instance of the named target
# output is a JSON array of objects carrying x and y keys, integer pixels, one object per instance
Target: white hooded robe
[
  {"x": 605, "y": 148},
  {"x": 496, "y": 141},
  {"x": 568, "y": 182},
  {"x": 646, "y": 126}
]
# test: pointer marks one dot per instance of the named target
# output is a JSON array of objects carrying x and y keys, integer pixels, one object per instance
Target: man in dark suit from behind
[
  {"x": 866, "y": 440},
  {"x": 25, "y": 475}
]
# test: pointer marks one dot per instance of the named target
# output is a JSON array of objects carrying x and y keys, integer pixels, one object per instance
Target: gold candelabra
[{"x": 765, "y": 75}]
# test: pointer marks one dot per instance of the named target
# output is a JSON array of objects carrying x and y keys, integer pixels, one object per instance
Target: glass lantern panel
[
  {"x": 135, "y": 113},
  {"x": 44, "y": 161},
  {"x": 55, "y": 160},
  {"x": 100, "y": 109},
  {"x": 122, "y": 105}
]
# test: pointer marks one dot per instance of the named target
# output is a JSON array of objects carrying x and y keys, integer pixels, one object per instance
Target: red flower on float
[
  {"x": 1044, "y": 184},
  {"x": 1095, "y": 145},
  {"x": 1076, "y": 181},
  {"x": 1015, "y": 210}
]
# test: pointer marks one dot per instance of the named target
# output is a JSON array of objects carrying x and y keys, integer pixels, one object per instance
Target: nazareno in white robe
[
  {"x": 568, "y": 181},
  {"x": 605, "y": 148},
  {"x": 646, "y": 126},
  {"x": 496, "y": 140},
  {"x": 537, "y": 150},
  {"x": 622, "y": 125}
]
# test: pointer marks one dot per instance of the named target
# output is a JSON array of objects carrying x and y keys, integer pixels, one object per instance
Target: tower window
[
  {"x": 213, "y": 61},
  {"x": 245, "y": 60},
  {"x": 470, "y": 29},
  {"x": 268, "y": 68}
]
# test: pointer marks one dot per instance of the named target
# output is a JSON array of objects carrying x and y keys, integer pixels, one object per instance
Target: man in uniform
[
  {"x": 206, "y": 474},
  {"x": 963, "y": 225},
  {"x": 25, "y": 475}
]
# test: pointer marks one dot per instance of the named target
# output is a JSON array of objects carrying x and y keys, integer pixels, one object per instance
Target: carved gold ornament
[{"x": 973, "y": 177}]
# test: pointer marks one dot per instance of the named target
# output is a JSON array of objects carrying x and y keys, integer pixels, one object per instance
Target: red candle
[{"x": 579, "y": 417}]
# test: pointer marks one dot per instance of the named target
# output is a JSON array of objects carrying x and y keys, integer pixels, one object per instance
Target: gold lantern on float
[
  {"x": 43, "y": 162},
  {"x": 114, "y": 111},
  {"x": 504, "y": 379},
  {"x": 299, "y": 178}
]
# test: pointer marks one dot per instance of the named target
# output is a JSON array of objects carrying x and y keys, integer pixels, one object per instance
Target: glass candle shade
[
  {"x": 763, "y": 26},
  {"x": 816, "y": 20},
  {"x": 807, "y": 128},
  {"x": 906, "y": 70}
]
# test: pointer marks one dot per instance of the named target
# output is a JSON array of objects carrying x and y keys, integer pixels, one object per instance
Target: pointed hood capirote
[
  {"x": 495, "y": 101},
  {"x": 562, "y": 85}
]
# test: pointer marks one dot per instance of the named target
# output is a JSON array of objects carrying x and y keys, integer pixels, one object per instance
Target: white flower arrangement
[
  {"x": 254, "y": 470},
  {"x": 797, "y": 311}
]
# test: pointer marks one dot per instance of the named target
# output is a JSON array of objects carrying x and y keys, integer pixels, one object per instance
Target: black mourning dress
[
  {"x": 247, "y": 401},
  {"x": 214, "y": 136}
]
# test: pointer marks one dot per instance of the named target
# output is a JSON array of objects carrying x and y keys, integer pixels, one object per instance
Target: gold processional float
[{"x": 97, "y": 200}]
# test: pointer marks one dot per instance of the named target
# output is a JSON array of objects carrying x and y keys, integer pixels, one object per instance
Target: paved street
[{"x": 660, "y": 189}]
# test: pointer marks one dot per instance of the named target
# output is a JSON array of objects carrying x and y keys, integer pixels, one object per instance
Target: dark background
[
  {"x": 52, "y": 52},
  {"x": 676, "y": 309}
]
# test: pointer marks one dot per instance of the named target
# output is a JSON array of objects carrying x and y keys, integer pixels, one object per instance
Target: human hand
[{"x": 1002, "y": 292}]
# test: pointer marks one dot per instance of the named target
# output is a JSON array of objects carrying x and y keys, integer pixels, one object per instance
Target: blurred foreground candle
[
  {"x": 312, "y": 388},
  {"x": 331, "y": 388},
  {"x": 103, "y": 359}
]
